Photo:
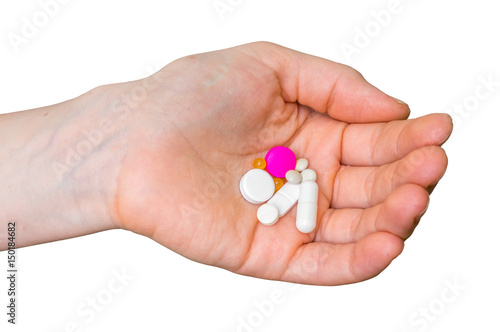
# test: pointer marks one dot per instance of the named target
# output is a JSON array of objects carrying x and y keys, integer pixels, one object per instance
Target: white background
[{"x": 431, "y": 54}]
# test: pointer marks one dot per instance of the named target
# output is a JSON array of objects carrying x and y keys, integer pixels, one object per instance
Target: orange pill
[
  {"x": 259, "y": 163},
  {"x": 278, "y": 183}
]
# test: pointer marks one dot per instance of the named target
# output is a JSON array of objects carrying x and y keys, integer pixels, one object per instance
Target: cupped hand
[{"x": 198, "y": 130}]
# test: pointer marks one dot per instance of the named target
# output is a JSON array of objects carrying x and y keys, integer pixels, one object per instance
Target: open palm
[{"x": 199, "y": 131}]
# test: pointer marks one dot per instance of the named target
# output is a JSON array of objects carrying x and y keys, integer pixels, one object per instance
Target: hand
[{"x": 193, "y": 136}]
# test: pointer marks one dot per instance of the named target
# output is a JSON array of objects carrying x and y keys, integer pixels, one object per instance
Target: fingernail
[
  {"x": 420, "y": 215},
  {"x": 447, "y": 135},
  {"x": 440, "y": 137},
  {"x": 399, "y": 101}
]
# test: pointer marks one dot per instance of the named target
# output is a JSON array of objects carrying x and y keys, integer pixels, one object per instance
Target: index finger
[{"x": 327, "y": 86}]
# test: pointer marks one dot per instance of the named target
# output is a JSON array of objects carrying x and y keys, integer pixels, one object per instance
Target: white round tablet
[
  {"x": 293, "y": 176},
  {"x": 257, "y": 186},
  {"x": 308, "y": 175},
  {"x": 268, "y": 214},
  {"x": 302, "y": 164}
]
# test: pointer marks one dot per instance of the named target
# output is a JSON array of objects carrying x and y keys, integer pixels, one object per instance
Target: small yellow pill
[
  {"x": 259, "y": 163},
  {"x": 278, "y": 183}
]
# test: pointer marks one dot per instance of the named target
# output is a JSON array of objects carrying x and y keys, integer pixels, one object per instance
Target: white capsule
[
  {"x": 285, "y": 198},
  {"x": 268, "y": 214},
  {"x": 307, "y": 209},
  {"x": 293, "y": 176},
  {"x": 308, "y": 175},
  {"x": 301, "y": 165}
]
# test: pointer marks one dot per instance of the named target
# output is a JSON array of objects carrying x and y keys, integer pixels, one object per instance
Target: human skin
[{"x": 163, "y": 157}]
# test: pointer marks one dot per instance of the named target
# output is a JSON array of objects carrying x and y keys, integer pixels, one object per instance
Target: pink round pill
[{"x": 280, "y": 160}]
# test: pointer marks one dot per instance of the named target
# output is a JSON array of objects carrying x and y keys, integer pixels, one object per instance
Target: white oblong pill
[
  {"x": 307, "y": 209},
  {"x": 257, "y": 186},
  {"x": 308, "y": 175},
  {"x": 302, "y": 164},
  {"x": 293, "y": 176},
  {"x": 268, "y": 214},
  {"x": 285, "y": 198}
]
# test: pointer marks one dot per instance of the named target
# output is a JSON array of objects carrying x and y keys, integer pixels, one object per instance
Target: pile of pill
[{"x": 264, "y": 183}]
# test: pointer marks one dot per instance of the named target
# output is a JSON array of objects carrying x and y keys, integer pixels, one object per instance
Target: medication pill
[
  {"x": 268, "y": 214},
  {"x": 259, "y": 163},
  {"x": 301, "y": 165},
  {"x": 278, "y": 183},
  {"x": 293, "y": 176},
  {"x": 280, "y": 160},
  {"x": 257, "y": 186},
  {"x": 308, "y": 175},
  {"x": 285, "y": 198},
  {"x": 307, "y": 209}
]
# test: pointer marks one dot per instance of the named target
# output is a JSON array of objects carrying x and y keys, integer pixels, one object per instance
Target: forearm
[{"x": 58, "y": 170}]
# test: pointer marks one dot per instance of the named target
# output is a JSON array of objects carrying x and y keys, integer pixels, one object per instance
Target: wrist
[{"x": 60, "y": 168}]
